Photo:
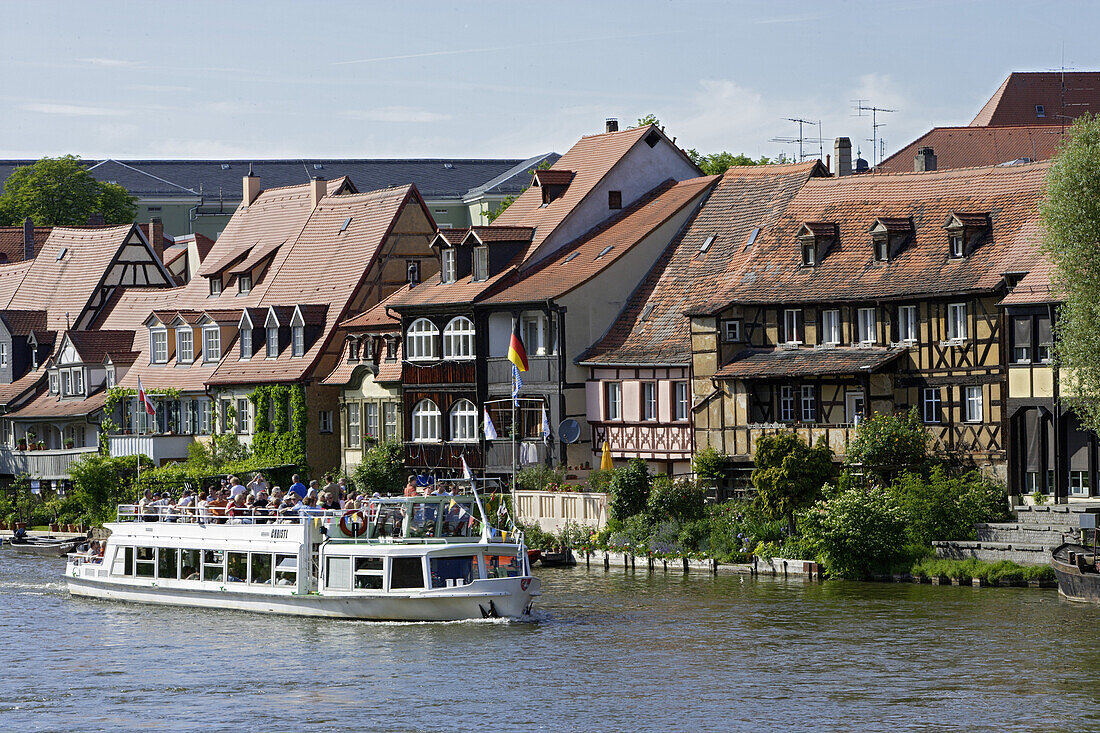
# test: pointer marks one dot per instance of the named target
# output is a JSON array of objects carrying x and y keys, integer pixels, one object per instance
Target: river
[{"x": 607, "y": 651}]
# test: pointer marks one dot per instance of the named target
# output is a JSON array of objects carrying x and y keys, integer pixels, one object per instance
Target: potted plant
[
  {"x": 21, "y": 444},
  {"x": 55, "y": 527},
  {"x": 41, "y": 445},
  {"x": 69, "y": 443}
]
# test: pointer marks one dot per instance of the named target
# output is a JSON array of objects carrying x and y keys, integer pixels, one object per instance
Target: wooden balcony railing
[{"x": 658, "y": 441}]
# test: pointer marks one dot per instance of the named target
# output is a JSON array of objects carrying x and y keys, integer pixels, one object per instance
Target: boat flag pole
[{"x": 469, "y": 476}]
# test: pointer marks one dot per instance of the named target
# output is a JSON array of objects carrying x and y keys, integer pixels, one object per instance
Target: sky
[{"x": 275, "y": 79}]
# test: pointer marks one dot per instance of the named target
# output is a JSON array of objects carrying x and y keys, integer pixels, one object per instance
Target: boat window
[
  {"x": 212, "y": 565},
  {"x": 457, "y": 519},
  {"x": 237, "y": 567},
  {"x": 422, "y": 523},
  {"x": 144, "y": 562},
  {"x": 387, "y": 523},
  {"x": 338, "y": 573},
  {"x": 501, "y": 566},
  {"x": 189, "y": 562},
  {"x": 286, "y": 570},
  {"x": 261, "y": 568},
  {"x": 406, "y": 572},
  {"x": 452, "y": 571},
  {"x": 166, "y": 563},
  {"x": 124, "y": 561},
  {"x": 368, "y": 573}
]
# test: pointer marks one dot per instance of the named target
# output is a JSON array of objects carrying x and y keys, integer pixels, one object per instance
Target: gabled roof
[
  {"x": 552, "y": 177},
  {"x": 1036, "y": 287},
  {"x": 745, "y": 203},
  {"x": 576, "y": 264},
  {"x": 46, "y": 406},
  {"x": 486, "y": 234},
  {"x": 18, "y": 391},
  {"x": 924, "y": 267},
  {"x": 1063, "y": 95},
  {"x": 450, "y": 236},
  {"x": 24, "y": 322},
  {"x": 967, "y": 147},
  {"x": 92, "y": 346}
]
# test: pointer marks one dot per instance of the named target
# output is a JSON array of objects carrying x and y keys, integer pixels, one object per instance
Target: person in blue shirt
[{"x": 297, "y": 487}]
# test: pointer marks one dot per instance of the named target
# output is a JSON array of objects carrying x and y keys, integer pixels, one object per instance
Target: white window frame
[
  {"x": 422, "y": 340},
  {"x": 109, "y": 377},
  {"x": 244, "y": 283},
  {"x": 354, "y": 438},
  {"x": 426, "y": 422},
  {"x": 867, "y": 321},
  {"x": 480, "y": 268},
  {"x": 271, "y": 341},
  {"x": 786, "y": 403},
  {"x": 55, "y": 382},
  {"x": 244, "y": 416},
  {"x": 389, "y": 420},
  {"x": 370, "y": 419},
  {"x": 185, "y": 337},
  {"x": 216, "y": 286},
  {"x": 324, "y": 421},
  {"x": 882, "y": 248},
  {"x": 957, "y": 245},
  {"x": 66, "y": 383},
  {"x": 973, "y": 404},
  {"x": 792, "y": 321},
  {"x": 830, "y": 327},
  {"x": 3, "y": 353},
  {"x": 1079, "y": 483},
  {"x": 731, "y": 330},
  {"x": 211, "y": 343},
  {"x": 448, "y": 272},
  {"x": 298, "y": 340},
  {"x": 809, "y": 255},
  {"x": 649, "y": 401},
  {"x": 538, "y": 334},
  {"x": 158, "y": 345},
  {"x": 809, "y": 403},
  {"x": 458, "y": 339},
  {"x": 958, "y": 319},
  {"x": 613, "y": 401},
  {"x": 907, "y": 324},
  {"x": 463, "y": 422},
  {"x": 246, "y": 343},
  {"x": 931, "y": 405},
  {"x": 78, "y": 380}
]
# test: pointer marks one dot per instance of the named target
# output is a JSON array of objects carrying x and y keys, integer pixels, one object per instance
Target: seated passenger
[{"x": 145, "y": 508}]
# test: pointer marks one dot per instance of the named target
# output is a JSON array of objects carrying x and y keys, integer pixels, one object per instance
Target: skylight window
[
  {"x": 752, "y": 237},
  {"x": 570, "y": 258},
  {"x": 605, "y": 250},
  {"x": 61, "y": 254},
  {"x": 646, "y": 312},
  {"x": 1040, "y": 111},
  {"x": 225, "y": 166},
  {"x": 706, "y": 243},
  {"x": 318, "y": 166},
  {"x": 344, "y": 226}
]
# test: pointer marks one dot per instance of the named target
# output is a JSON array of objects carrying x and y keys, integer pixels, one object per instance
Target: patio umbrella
[{"x": 605, "y": 461}]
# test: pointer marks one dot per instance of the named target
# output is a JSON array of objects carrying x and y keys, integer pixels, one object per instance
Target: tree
[
  {"x": 789, "y": 474},
  {"x": 629, "y": 490},
  {"x": 1070, "y": 212},
  {"x": 382, "y": 469},
  {"x": 886, "y": 445},
  {"x": 61, "y": 192},
  {"x": 100, "y": 483},
  {"x": 858, "y": 532}
]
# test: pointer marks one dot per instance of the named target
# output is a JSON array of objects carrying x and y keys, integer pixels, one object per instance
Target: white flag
[
  {"x": 466, "y": 472},
  {"x": 545, "y": 426},
  {"x": 490, "y": 429}
]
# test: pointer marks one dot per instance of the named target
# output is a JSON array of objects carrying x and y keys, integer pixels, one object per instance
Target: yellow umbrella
[{"x": 605, "y": 461}]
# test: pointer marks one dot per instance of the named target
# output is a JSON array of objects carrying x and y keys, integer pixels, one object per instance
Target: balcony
[
  {"x": 540, "y": 370},
  {"x": 41, "y": 464},
  {"x": 433, "y": 456},
  {"x": 498, "y": 454},
  {"x": 160, "y": 448},
  {"x": 655, "y": 441},
  {"x": 552, "y": 511},
  {"x": 437, "y": 372}
]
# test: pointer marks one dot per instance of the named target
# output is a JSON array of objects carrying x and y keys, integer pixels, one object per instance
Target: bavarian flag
[{"x": 516, "y": 353}]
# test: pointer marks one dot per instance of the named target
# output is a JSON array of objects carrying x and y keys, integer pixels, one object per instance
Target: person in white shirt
[
  {"x": 235, "y": 487},
  {"x": 185, "y": 505},
  {"x": 257, "y": 484}
]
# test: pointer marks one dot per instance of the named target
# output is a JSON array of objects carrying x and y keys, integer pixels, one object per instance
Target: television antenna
[
  {"x": 801, "y": 139},
  {"x": 878, "y": 145}
]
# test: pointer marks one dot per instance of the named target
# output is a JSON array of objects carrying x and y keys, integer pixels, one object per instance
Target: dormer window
[
  {"x": 552, "y": 182},
  {"x": 244, "y": 283},
  {"x": 412, "y": 270},
  {"x": 272, "y": 342},
  {"x": 449, "y": 270},
  {"x": 481, "y": 264},
  {"x": 158, "y": 345},
  {"x": 353, "y": 350},
  {"x": 185, "y": 345},
  {"x": 888, "y": 236},
  {"x": 32, "y": 345},
  {"x": 109, "y": 377},
  {"x": 882, "y": 249},
  {"x": 965, "y": 231},
  {"x": 298, "y": 340},
  {"x": 216, "y": 285},
  {"x": 53, "y": 381},
  {"x": 815, "y": 238},
  {"x": 246, "y": 343},
  {"x": 211, "y": 343}
]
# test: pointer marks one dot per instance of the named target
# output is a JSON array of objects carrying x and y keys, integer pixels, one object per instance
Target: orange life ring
[{"x": 350, "y": 529}]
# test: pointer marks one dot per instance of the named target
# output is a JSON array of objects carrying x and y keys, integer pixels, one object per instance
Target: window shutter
[{"x": 1021, "y": 331}]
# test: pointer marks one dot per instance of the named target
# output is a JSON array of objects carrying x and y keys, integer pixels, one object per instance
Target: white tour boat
[{"x": 407, "y": 559}]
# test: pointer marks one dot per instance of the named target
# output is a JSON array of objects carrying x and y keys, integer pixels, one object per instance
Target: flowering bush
[
  {"x": 857, "y": 532},
  {"x": 888, "y": 444},
  {"x": 684, "y": 500}
]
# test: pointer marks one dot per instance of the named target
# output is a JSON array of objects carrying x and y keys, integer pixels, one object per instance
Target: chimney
[
  {"x": 97, "y": 220},
  {"x": 842, "y": 153},
  {"x": 156, "y": 236},
  {"x": 28, "y": 239},
  {"x": 317, "y": 190},
  {"x": 612, "y": 124},
  {"x": 925, "y": 160},
  {"x": 251, "y": 187}
]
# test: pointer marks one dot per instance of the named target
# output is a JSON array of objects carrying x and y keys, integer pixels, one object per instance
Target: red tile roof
[
  {"x": 501, "y": 233},
  {"x": 577, "y": 263},
  {"x": 1015, "y": 100},
  {"x": 552, "y": 177},
  {"x": 92, "y": 346},
  {"x": 378, "y": 317},
  {"x": 652, "y": 329},
  {"x": 46, "y": 406},
  {"x": 453, "y": 236},
  {"x": 24, "y": 322},
  {"x": 1036, "y": 287},
  {"x": 11, "y": 242},
  {"x": 966, "y": 147},
  {"x": 19, "y": 390},
  {"x": 923, "y": 266},
  {"x": 783, "y": 363}
]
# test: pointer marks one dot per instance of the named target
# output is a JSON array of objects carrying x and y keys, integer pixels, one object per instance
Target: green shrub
[
  {"x": 859, "y": 532},
  {"x": 537, "y": 478},
  {"x": 943, "y": 507},
  {"x": 629, "y": 490},
  {"x": 1003, "y": 571},
  {"x": 683, "y": 500},
  {"x": 710, "y": 465},
  {"x": 887, "y": 444},
  {"x": 382, "y": 469},
  {"x": 599, "y": 481},
  {"x": 789, "y": 475},
  {"x": 536, "y": 537}
]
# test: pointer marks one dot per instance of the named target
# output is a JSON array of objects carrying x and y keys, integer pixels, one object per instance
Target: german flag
[{"x": 516, "y": 353}]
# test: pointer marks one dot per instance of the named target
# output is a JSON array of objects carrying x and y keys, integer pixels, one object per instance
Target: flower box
[
  {"x": 55, "y": 527},
  {"x": 69, "y": 444}
]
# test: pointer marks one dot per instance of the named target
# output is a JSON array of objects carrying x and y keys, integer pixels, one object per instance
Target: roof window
[
  {"x": 570, "y": 258},
  {"x": 318, "y": 166},
  {"x": 646, "y": 312},
  {"x": 61, "y": 254},
  {"x": 614, "y": 199},
  {"x": 605, "y": 250},
  {"x": 1040, "y": 111},
  {"x": 816, "y": 238},
  {"x": 752, "y": 237},
  {"x": 448, "y": 166},
  {"x": 344, "y": 226},
  {"x": 706, "y": 243},
  {"x": 225, "y": 166}
]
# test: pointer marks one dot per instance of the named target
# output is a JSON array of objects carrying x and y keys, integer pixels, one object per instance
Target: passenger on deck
[
  {"x": 329, "y": 502},
  {"x": 262, "y": 505},
  {"x": 237, "y": 511},
  {"x": 235, "y": 487},
  {"x": 331, "y": 487},
  {"x": 146, "y": 510},
  {"x": 257, "y": 484},
  {"x": 217, "y": 506},
  {"x": 202, "y": 514},
  {"x": 410, "y": 486},
  {"x": 297, "y": 487},
  {"x": 186, "y": 506}
]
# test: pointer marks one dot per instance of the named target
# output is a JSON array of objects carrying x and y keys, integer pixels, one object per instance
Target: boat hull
[
  {"x": 502, "y": 597},
  {"x": 1073, "y": 583},
  {"x": 46, "y": 549}
]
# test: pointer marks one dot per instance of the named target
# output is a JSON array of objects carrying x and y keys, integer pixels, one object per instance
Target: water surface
[{"x": 607, "y": 651}]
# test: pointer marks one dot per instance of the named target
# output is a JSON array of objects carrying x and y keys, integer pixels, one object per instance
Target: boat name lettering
[{"x": 278, "y": 534}]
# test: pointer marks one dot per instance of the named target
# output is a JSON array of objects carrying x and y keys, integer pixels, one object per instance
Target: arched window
[
  {"x": 458, "y": 339},
  {"x": 426, "y": 419},
  {"x": 464, "y": 422},
  {"x": 422, "y": 339}
]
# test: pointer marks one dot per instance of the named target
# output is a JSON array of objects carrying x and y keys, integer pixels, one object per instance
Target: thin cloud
[
  {"x": 70, "y": 110},
  {"x": 113, "y": 63},
  {"x": 490, "y": 49},
  {"x": 397, "y": 114}
]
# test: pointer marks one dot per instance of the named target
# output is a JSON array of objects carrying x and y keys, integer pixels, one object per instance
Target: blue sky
[{"x": 470, "y": 79}]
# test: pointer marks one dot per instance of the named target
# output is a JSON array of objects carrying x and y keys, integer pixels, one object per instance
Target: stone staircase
[{"x": 1028, "y": 540}]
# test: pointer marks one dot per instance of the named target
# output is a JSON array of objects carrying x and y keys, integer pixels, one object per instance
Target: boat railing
[{"x": 221, "y": 514}]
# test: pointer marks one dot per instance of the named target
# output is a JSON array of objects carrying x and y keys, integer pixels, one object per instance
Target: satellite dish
[{"x": 569, "y": 430}]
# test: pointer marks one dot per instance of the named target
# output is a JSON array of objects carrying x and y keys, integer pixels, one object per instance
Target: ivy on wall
[
  {"x": 115, "y": 395},
  {"x": 277, "y": 437}
]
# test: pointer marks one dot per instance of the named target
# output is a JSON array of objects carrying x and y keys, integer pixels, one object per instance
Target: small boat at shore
[
  {"x": 1076, "y": 568},
  {"x": 47, "y": 546},
  {"x": 395, "y": 559}
]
